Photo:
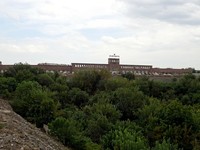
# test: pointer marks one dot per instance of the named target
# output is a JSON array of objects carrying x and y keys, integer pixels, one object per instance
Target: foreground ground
[{"x": 17, "y": 134}]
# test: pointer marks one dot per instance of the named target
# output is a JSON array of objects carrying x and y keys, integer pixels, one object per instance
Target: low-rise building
[{"x": 113, "y": 66}]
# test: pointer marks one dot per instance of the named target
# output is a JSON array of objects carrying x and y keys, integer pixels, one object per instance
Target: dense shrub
[{"x": 93, "y": 110}]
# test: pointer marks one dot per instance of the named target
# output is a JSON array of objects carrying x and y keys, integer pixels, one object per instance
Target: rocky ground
[{"x": 18, "y": 134}]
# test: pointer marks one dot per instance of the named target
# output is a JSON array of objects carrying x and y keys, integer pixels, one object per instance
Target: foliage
[
  {"x": 78, "y": 97},
  {"x": 33, "y": 103},
  {"x": 128, "y": 102},
  {"x": 7, "y": 87},
  {"x": 67, "y": 131},
  {"x": 101, "y": 117},
  {"x": 122, "y": 139},
  {"x": 165, "y": 145},
  {"x": 92, "y": 110},
  {"x": 89, "y": 80},
  {"x": 44, "y": 80},
  {"x": 114, "y": 83},
  {"x": 23, "y": 72},
  {"x": 129, "y": 76}
]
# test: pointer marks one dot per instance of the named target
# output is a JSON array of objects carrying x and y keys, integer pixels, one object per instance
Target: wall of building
[{"x": 113, "y": 66}]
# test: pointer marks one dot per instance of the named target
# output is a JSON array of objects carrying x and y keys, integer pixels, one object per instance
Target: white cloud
[
  {"x": 159, "y": 43},
  {"x": 25, "y": 46},
  {"x": 50, "y": 11},
  {"x": 162, "y": 33},
  {"x": 176, "y": 11}
]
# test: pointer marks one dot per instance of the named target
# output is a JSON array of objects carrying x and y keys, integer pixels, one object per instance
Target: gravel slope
[{"x": 18, "y": 134}]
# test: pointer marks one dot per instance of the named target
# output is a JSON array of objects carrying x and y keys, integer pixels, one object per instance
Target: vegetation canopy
[{"x": 93, "y": 110}]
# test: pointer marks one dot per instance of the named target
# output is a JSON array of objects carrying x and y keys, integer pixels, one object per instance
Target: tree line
[{"x": 94, "y": 110}]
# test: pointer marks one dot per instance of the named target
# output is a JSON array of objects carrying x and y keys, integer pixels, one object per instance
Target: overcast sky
[{"x": 162, "y": 33}]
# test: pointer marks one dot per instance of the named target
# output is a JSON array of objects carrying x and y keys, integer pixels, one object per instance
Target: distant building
[{"x": 113, "y": 66}]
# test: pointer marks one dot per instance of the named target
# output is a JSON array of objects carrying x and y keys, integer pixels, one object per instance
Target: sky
[{"x": 162, "y": 33}]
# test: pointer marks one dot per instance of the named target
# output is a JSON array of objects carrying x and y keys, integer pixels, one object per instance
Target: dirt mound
[{"x": 18, "y": 134}]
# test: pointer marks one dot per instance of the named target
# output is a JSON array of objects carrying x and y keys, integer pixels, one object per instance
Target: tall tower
[{"x": 113, "y": 63}]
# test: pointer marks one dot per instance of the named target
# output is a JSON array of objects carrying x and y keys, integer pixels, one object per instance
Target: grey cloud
[
  {"x": 173, "y": 11},
  {"x": 160, "y": 2}
]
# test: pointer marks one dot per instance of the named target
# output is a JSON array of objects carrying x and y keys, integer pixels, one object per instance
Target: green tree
[
  {"x": 22, "y": 72},
  {"x": 33, "y": 103},
  {"x": 114, "y": 83},
  {"x": 78, "y": 97},
  {"x": 7, "y": 87},
  {"x": 122, "y": 139},
  {"x": 89, "y": 80},
  {"x": 143, "y": 85},
  {"x": 44, "y": 79},
  {"x": 128, "y": 102},
  {"x": 165, "y": 145},
  {"x": 61, "y": 91},
  {"x": 129, "y": 76},
  {"x": 174, "y": 113},
  {"x": 101, "y": 97},
  {"x": 187, "y": 84},
  {"x": 149, "y": 119},
  {"x": 100, "y": 119},
  {"x": 67, "y": 131},
  {"x": 180, "y": 125}
]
